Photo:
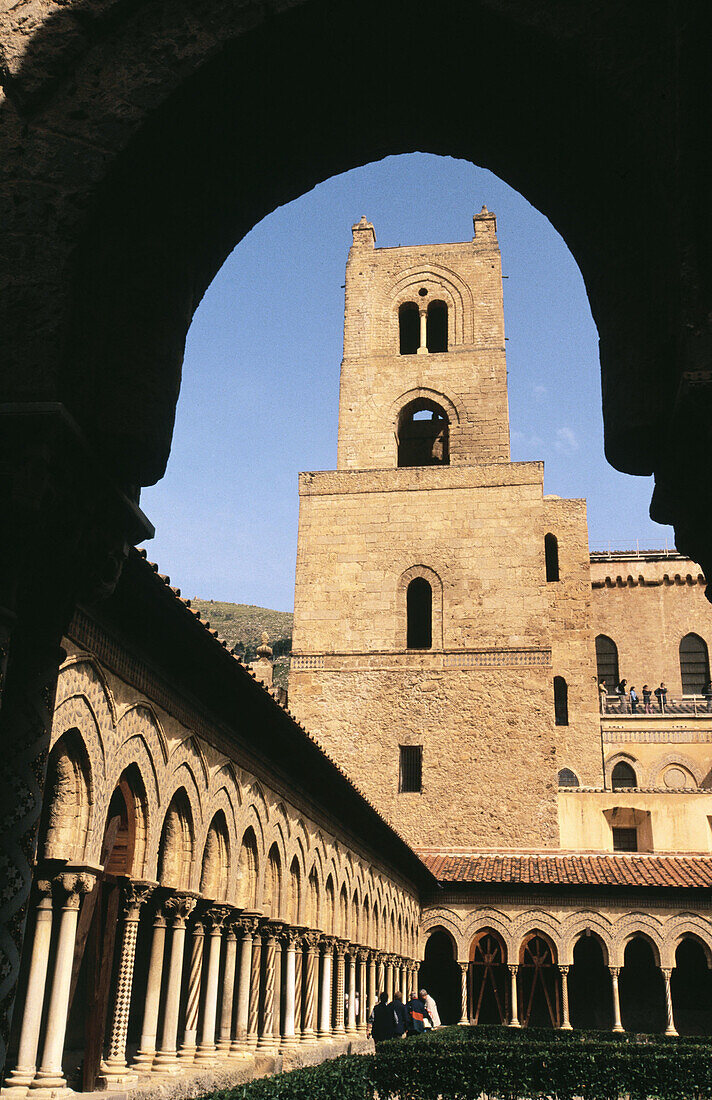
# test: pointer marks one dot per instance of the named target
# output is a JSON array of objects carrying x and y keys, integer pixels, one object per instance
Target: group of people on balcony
[{"x": 627, "y": 700}]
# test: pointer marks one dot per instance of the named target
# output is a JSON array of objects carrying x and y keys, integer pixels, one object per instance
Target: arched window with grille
[
  {"x": 419, "y": 610},
  {"x": 623, "y": 775},
  {"x": 409, "y": 328},
  {"x": 561, "y": 701},
  {"x": 551, "y": 557},
  {"x": 567, "y": 778},
  {"x": 607, "y": 661},
  {"x": 694, "y": 665}
]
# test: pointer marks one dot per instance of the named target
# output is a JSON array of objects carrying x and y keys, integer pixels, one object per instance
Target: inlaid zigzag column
[
  {"x": 311, "y": 942},
  {"x": 114, "y": 1072},
  {"x": 339, "y": 1028}
]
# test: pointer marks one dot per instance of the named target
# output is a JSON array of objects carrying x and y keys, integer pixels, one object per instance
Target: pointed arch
[
  {"x": 175, "y": 853},
  {"x": 216, "y": 860},
  {"x": 66, "y": 813},
  {"x": 248, "y": 865}
]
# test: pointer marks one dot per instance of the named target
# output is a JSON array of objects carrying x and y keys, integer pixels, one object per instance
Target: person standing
[
  {"x": 383, "y": 1024},
  {"x": 661, "y": 696},
  {"x": 401, "y": 1020},
  {"x": 418, "y": 1014},
  {"x": 647, "y": 696},
  {"x": 621, "y": 692},
  {"x": 633, "y": 696},
  {"x": 603, "y": 695},
  {"x": 431, "y": 1007},
  {"x": 708, "y": 695}
]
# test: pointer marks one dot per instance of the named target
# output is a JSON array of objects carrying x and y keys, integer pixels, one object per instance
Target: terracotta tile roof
[{"x": 569, "y": 870}]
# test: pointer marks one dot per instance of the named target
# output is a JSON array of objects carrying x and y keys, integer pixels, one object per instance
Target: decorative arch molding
[
  {"x": 497, "y": 921},
  {"x": 437, "y": 920},
  {"x": 622, "y": 758},
  {"x": 576, "y": 925},
  {"x": 190, "y": 747},
  {"x": 444, "y": 283},
  {"x": 533, "y": 921},
  {"x": 683, "y": 925},
  {"x": 69, "y": 810},
  {"x": 630, "y": 925},
  {"x": 77, "y": 713},
  {"x": 184, "y": 776},
  {"x": 654, "y": 776},
  {"x": 141, "y": 718},
  {"x": 82, "y": 673},
  {"x": 435, "y": 581},
  {"x": 455, "y": 414},
  {"x": 134, "y": 752}
]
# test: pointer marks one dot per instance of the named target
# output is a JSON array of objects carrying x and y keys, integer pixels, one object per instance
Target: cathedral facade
[{"x": 458, "y": 796}]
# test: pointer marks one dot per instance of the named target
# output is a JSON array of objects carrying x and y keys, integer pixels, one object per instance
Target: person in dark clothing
[
  {"x": 401, "y": 1019},
  {"x": 661, "y": 696},
  {"x": 383, "y": 1025},
  {"x": 418, "y": 1014}
]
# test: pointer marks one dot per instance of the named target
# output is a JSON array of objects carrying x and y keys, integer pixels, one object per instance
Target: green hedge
[{"x": 441, "y": 1067}]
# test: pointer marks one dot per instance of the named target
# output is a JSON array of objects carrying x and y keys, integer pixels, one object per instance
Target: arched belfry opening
[
  {"x": 423, "y": 434},
  {"x": 436, "y": 326},
  {"x": 409, "y": 328}
]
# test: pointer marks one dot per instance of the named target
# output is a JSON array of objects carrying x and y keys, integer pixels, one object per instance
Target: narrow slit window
[
  {"x": 419, "y": 609},
  {"x": 551, "y": 557},
  {"x": 561, "y": 701},
  {"x": 410, "y": 778}
]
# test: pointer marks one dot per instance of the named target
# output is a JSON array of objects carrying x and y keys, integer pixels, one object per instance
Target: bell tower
[
  {"x": 424, "y": 377},
  {"x": 425, "y": 630}
]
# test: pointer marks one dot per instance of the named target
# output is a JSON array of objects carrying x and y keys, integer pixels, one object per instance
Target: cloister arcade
[
  {"x": 630, "y": 973},
  {"x": 183, "y": 910}
]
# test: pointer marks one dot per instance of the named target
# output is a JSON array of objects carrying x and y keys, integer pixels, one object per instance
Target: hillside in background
[{"x": 241, "y": 625}]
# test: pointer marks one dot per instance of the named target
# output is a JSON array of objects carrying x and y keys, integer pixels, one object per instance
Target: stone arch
[
  {"x": 536, "y": 920},
  {"x": 329, "y": 907},
  {"x": 139, "y": 718},
  {"x": 637, "y": 924},
  {"x": 248, "y": 871},
  {"x": 344, "y": 914},
  {"x": 294, "y": 906},
  {"x": 583, "y": 924},
  {"x": 215, "y": 871},
  {"x": 488, "y": 918},
  {"x": 175, "y": 853},
  {"x": 684, "y": 925},
  {"x": 133, "y": 789},
  {"x": 66, "y": 814},
  {"x": 76, "y": 712},
  {"x": 272, "y": 886},
  {"x": 190, "y": 754},
  {"x": 82, "y": 675},
  {"x": 622, "y": 758},
  {"x": 183, "y": 777},
  {"x": 313, "y": 914},
  {"x": 365, "y": 924},
  {"x": 690, "y": 769},
  {"x": 402, "y": 584},
  {"x": 441, "y": 282}
]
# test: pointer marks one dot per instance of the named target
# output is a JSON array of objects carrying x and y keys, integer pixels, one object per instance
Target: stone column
[
  {"x": 247, "y": 927},
  {"x": 513, "y": 971},
  {"x": 277, "y": 1018},
  {"x": 565, "y": 1023},
  {"x": 147, "y": 1047},
  {"x": 298, "y": 986},
  {"x": 464, "y": 967},
  {"x": 362, "y": 1021},
  {"x": 206, "y": 1047},
  {"x": 21, "y": 1077},
  {"x": 423, "y": 332},
  {"x": 617, "y": 1025},
  {"x": 381, "y": 975},
  {"x": 339, "y": 1028},
  {"x": 49, "y": 1075},
  {"x": 372, "y": 956},
  {"x": 405, "y": 980},
  {"x": 327, "y": 946},
  {"x": 253, "y": 1019},
  {"x": 290, "y": 939},
  {"x": 228, "y": 990},
  {"x": 388, "y": 976},
  {"x": 115, "y": 1073},
  {"x": 351, "y": 1021},
  {"x": 192, "y": 1003},
  {"x": 178, "y": 909},
  {"x": 266, "y": 1040},
  {"x": 311, "y": 942},
  {"x": 670, "y": 1029}
]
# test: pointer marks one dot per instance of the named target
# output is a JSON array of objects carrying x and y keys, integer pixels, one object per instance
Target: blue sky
[{"x": 259, "y": 398}]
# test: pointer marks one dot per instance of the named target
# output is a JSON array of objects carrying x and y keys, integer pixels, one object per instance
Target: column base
[
  {"x": 307, "y": 1037},
  {"x": 18, "y": 1081},
  {"x": 671, "y": 1031},
  {"x": 618, "y": 1028},
  {"x": 115, "y": 1077},
  {"x": 167, "y": 1064},
  {"x": 49, "y": 1082},
  {"x": 289, "y": 1042},
  {"x": 205, "y": 1055},
  {"x": 515, "y": 1023},
  {"x": 566, "y": 1027},
  {"x": 143, "y": 1060},
  {"x": 267, "y": 1044},
  {"x": 223, "y": 1047}
]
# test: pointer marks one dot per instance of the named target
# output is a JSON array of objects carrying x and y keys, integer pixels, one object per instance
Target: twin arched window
[{"x": 430, "y": 334}]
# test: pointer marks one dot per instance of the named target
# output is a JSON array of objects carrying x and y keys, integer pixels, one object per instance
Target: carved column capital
[
  {"x": 216, "y": 916},
  {"x": 563, "y": 968},
  {"x": 247, "y": 925},
  {"x": 327, "y": 943},
  {"x": 135, "y": 894},
  {"x": 291, "y": 937},
  {"x": 178, "y": 908},
  {"x": 341, "y": 947},
  {"x": 363, "y": 954},
  {"x": 513, "y": 968},
  {"x": 75, "y": 884},
  {"x": 614, "y": 971},
  {"x": 311, "y": 939}
]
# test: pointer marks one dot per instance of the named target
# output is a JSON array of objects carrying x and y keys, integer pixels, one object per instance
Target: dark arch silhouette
[
  {"x": 561, "y": 701},
  {"x": 623, "y": 775},
  {"x": 567, "y": 778},
  {"x": 409, "y": 328},
  {"x": 436, "y": 326},
  {"x": 423, "y": 434},
  {"x": 419, "y": 609},
  {"x": 551, "y": 557},
  {"x": 694, "y": 664},
  {"x": 440, "y": 975}
]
